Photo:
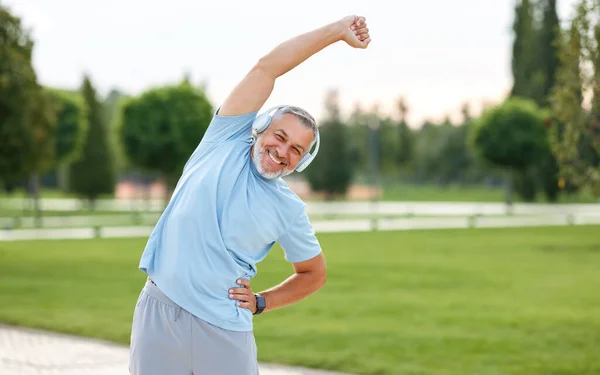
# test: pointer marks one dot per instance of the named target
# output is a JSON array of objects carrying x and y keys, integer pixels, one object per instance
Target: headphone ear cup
[
  {"x": 261, "y": 123},
  {"x": 304, "y": 162}
]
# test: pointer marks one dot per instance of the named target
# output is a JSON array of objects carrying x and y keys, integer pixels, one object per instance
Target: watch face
[{"x": 260, "y": 301}]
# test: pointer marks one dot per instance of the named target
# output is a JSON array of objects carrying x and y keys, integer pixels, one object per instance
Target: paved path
[{"x": 27, "y": 352}]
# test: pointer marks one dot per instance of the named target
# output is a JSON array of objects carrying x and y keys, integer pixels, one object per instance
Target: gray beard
[{"x": 258, "y": 154}]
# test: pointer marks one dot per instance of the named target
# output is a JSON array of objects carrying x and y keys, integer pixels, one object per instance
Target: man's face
[{"x": 279, "y": 149}]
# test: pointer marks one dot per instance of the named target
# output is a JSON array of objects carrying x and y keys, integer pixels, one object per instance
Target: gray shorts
[{"x": 167, "y": 340}]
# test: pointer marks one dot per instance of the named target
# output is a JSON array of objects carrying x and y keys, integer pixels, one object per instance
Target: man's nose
[{"x": 282, "y": 150}]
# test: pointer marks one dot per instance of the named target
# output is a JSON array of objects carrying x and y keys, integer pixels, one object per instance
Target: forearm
[
  {"x": 255, "y": 88},
  {"x": 293, "y": 289},
  {"x": 293, "y": 52}
]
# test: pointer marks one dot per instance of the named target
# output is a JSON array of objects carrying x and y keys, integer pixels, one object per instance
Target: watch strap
[{"x": 260, "y": 304}]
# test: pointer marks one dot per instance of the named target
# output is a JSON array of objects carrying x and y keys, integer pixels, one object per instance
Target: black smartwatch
[{"x": 260, "y": 304}]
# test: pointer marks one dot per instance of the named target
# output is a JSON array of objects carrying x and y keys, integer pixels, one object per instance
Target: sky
[{"x": 437, "y": 54}]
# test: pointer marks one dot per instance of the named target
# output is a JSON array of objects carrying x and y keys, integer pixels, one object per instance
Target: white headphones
[{"x": 262, "y": 122}]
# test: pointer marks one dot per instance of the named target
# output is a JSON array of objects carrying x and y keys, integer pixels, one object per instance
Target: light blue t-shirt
[{"x": 223, "y": 218}]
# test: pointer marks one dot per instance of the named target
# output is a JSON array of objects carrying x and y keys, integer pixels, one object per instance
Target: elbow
[
  {"x": 321, "y": 279},
  {"x": 314, "y": 280},
  {"x": 264, "y": 68}
]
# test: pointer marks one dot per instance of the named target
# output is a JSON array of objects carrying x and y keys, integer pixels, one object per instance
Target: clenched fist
[{"x": 355, "y": 31}]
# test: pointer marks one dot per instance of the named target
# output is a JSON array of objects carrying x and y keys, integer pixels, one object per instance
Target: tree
[
  {"x": 93, "y": 173},
  {"x": 544, "y": 175},
  {"x": 575, "y": 132},
  {"x": 112, "y": 112},
  {"x": 71, "y": 128},
  {"x": 547, "y": 58},
  {"x": 71, "y": 124},
  {"x": 405, "y": 137},
  {"x": 358, "y": 140},
  {"x": 511, "y": 136},
  {"x": 161, "y": 128},
  {"x": 27, "y": 123},
  {"x": 426, "y": 150},
  {"x": 526, "y": 78},
  {"x": 454, "y": 160},
  {"x": 331, "y": 171}
]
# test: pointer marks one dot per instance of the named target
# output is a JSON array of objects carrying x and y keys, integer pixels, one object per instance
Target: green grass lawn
[
  {"x": 519, "y": 301},
  {"x": 456, "y": 193}
]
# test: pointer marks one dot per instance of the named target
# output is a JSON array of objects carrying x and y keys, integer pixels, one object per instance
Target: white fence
[
  {"x": 326, "y": 217},
  {"x": 323, "y": 226},
  {"x": 317, "y": 210}
]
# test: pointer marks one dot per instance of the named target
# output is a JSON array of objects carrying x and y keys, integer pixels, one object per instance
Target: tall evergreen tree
[
  {"x": 575, "y": 133},
  {"x": 535, "y": 60},
  {"x": 546, "y": 173},
  {"x": 405, "y": 144},
  {"x": 523, "y": 51},
  {"x": 548, "y": 48},
  {"x": 112, "y": 110},
  {"x": 26, "y": 123},
  {"x": 27, "y": 120},
  {"x": 71, "y": 127},
  {"x": 93, "y": 173},
  {"x": 331, "y": 171}
]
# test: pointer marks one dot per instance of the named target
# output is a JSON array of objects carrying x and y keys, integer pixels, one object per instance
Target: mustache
[{"x": 276, "y": 154}]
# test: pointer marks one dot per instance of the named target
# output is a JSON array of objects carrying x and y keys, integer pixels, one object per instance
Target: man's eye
[{"x": 279, "y": 137}]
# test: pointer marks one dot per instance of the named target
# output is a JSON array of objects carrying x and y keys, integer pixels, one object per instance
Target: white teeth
[{"x": 273, "y": 158}]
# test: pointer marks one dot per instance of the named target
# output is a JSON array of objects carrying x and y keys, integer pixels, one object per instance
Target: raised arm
[{"x": 256, "y": 87}]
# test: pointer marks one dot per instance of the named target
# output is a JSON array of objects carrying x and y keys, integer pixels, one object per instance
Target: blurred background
[{"x": 459, "y": 166}]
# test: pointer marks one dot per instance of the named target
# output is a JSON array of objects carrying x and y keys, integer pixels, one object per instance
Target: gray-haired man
[{"x": 194, "y": 315}]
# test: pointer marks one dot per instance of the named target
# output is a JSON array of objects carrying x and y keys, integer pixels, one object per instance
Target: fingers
[
  {"x": 361, "y": 31},
  {"x": 245, "y": 305},
  {"x": 236, "y": 291},
  {"x": 244, "y": 297},
  {"x": 358, "y": 23},
  {"x": 241, "y": 294},
  {"x": 362, "y": 34}
]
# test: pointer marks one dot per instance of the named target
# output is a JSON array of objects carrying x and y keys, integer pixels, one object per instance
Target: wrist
[
  {"x": 337, "y": 29},
  {"x": 260, "y": 304}
]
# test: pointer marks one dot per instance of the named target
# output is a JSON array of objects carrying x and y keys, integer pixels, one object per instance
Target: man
[{"x": 194, "y": 315}]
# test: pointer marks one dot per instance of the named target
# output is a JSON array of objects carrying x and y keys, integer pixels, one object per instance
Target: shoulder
[
  {"x": 283, "y": 204},
  {"x": 228, "y": 127},
  {"x": 288, "y": 195}
]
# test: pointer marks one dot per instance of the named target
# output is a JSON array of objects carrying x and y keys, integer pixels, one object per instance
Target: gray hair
[{"x": 305, "y": 118}]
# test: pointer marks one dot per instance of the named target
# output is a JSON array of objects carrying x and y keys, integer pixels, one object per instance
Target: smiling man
[
  {"x": 194, "y": 314},
  {"x": 280, "y": 148}
]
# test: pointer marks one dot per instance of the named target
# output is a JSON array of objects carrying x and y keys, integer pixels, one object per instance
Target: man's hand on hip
[{"x": 244, "y": 295}]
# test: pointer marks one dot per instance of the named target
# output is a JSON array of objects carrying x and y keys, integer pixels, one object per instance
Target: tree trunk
[
  {"x": 508, "y": 183},
  {"x": 34, "y": 191},
  {"x": 62, "y": 177}
]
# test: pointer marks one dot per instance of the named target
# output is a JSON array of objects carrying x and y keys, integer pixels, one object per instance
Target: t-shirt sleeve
[
  {"x": 223, "y": 129},
  {"x": 226, "y": 128},
  {"x": 299, "y": 242}
]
